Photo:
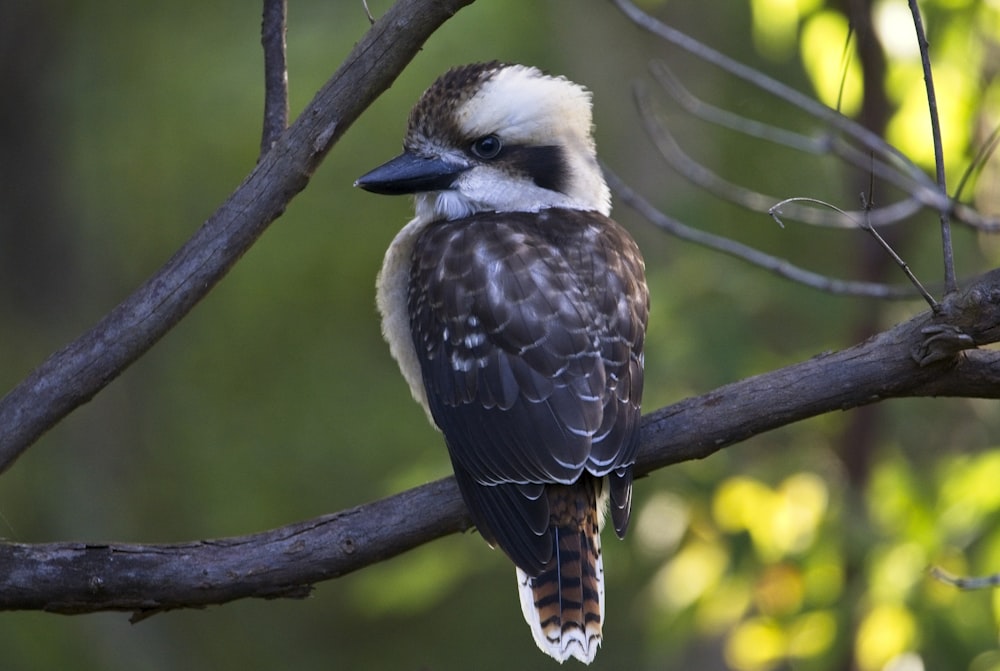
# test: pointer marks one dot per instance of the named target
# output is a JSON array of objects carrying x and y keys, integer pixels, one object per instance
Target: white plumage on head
[{"x": 522, "y": 107}]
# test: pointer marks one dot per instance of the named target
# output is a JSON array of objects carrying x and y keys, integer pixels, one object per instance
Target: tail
[{"x": 564, "y": 604}]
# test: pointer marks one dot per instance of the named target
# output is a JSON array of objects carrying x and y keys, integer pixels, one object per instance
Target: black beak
[{"x": 409, "y": 173}]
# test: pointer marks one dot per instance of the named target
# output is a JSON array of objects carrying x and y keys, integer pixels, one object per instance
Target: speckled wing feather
[{"x": 529, "y": 331}]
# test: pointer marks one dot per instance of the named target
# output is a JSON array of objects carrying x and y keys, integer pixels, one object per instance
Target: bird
[{"x": 516, "y": 309}]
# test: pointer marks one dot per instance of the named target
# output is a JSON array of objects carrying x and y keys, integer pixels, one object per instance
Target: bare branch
[
  {"x": 924, "y": 356},
  {"x": 74, "y": 578},
  {"x": 755, "y": 201},
  {"x": 950, "y": 284},
  {"x": 76, "y": 373},
  {"x": 272, "y": 39},
  {"x": 965, "y": 582},
  {"x": 845, "y": 61},
  {"x": 922, "y": 194},
  {"x": 865, "y": 225},
  {"x": 673, "y": 85},
  {"x": 867, "y": 139},
  {"x": 826, "y": 143},
  {"x": 776, "y": 265},
  {"x": 875, "y": 155},
  {"x": 978, "y": 162},
  {"x": 970, "y": 217},
  {"x": 921, "y": 357}
]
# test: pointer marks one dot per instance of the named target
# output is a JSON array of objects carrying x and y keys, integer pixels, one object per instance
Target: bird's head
[{"x": 495, "y": 137}]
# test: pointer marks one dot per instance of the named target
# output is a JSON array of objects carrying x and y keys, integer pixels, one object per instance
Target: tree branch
[
  {"x": 73, "y": 375},
  {"x": 73, "y": 578},
  {"x": 272, "y": 39},
  {"x": 921, "y": 357},
  {"x": 701, "y": 176},
  {"x": 925, "y": 61},
  {"x": 779, "y": 266},
  {"x": 916, "y": 180}
]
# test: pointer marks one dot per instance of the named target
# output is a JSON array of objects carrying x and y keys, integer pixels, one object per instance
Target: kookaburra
[{"x": 517, "y": 310}]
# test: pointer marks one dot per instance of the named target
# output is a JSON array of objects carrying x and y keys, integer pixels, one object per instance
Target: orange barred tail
[{"x": 564, "y": 604}]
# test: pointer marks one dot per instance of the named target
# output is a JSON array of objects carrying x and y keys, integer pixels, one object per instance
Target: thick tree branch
[
  {"x": 921, "y": 357},
  {"x": 76, "y": 373},
  {"x": 75, "y": 578}
]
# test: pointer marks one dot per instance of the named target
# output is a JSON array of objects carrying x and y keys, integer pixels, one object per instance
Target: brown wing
[{"x": 529, "y": 330}]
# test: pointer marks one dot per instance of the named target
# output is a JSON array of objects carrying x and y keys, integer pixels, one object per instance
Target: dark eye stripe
[{"x": 545, "y": 165}]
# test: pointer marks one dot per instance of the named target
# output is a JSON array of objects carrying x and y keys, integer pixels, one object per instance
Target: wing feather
[{"x": 529, "y": 331}]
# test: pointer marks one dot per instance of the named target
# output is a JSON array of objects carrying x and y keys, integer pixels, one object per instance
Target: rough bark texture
[
  {"x": 924, "y": 356},
  {"x": 75, "y": 578}
]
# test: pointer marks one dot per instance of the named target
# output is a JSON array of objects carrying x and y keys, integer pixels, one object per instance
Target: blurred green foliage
[{"x": 276, "y": 400}]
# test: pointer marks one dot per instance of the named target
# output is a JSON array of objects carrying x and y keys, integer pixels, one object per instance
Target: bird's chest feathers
[{"x": 392, "y": 290}]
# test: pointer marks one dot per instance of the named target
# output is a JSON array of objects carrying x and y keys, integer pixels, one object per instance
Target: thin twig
[
  {"x": 971, "y": 217},
  {"x": 845, "y": 62},
  {"x": 865, "y": 226},
  {"x": 950, "y": 283},
  {"x": 697, "y": 107},
  {"x": 752, "y": 200},
  {"x": 978, "y": 162},
  {"x": 272, "y": 39},
  {"x": 868, "y": 204},
  {"x": 922, "y": 191},
  {"x": 869, "y": 140},
  {"x": 964, "y": 582},
  {"x": 774, "y": 264}
]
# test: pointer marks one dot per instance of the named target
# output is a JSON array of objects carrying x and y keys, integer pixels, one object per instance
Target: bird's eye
[{"x": 487, "y": 147}]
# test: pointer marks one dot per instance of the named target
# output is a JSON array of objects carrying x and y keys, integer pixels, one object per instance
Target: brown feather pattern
[{"x": 568, "y": 594}]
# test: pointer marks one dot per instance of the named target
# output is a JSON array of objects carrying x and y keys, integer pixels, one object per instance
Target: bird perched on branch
[{"x": 516, "y": 309}]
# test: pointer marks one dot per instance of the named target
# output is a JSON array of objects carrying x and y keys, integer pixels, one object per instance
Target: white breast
[{"x": 391, "y": 292}]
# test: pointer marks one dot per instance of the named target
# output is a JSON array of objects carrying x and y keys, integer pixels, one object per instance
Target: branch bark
[
  {"x": 925, "y": 356},
  {"x": 73, "y": 578},
  {"x": 272, "y": 39},
  {"x": 73, "y": 375}
]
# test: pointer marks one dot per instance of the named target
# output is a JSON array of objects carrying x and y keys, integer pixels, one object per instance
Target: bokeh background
[{"x": 124, "y": 125}]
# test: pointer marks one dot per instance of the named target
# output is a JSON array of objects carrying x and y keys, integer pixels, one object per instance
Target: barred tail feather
[{"x": 564, "y": 604}]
